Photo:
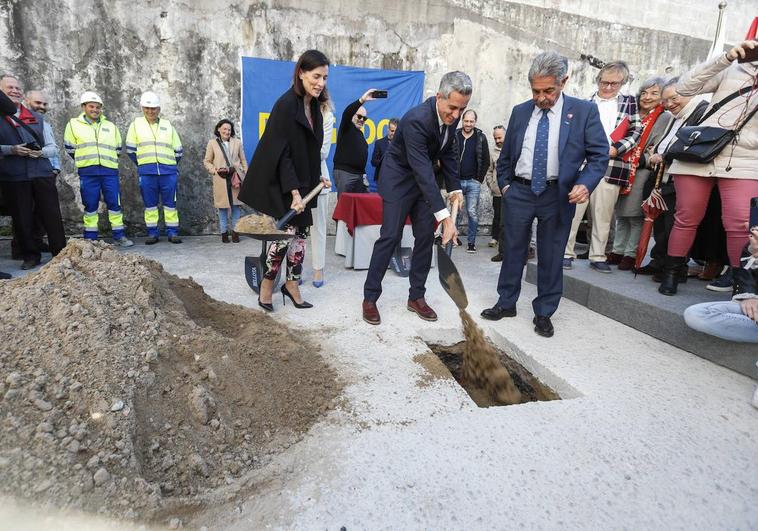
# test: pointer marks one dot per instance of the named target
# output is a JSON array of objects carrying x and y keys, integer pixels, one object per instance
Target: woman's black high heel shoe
[
  {"x": 268, "y": 306},
  {"x": 286, "y": 293}
]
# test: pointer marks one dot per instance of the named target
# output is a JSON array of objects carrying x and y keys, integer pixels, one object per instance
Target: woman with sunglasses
[
  {"x": 351, "y": 153},
  {"x": 286, "y": 165}
]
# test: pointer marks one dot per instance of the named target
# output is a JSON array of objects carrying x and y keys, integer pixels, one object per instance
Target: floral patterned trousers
[{"x": 293, "y": 250}]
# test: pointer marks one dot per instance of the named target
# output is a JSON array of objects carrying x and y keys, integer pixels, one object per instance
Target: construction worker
[
  {"x": 95, "y": 144},
  {"x": 154, "y": 145}
]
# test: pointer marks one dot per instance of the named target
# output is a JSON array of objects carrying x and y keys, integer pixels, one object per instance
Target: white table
[{"x": 357, "y": 249}]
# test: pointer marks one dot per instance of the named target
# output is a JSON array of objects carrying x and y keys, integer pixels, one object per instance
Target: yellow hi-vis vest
[
  {"x": 93, "y": 143},
  {"x": 156, "y": 143}
]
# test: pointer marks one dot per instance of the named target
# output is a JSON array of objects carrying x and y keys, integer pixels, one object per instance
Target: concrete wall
[{"x": 188, "y": 51}]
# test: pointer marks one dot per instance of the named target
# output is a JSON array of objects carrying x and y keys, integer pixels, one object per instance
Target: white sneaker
[
  {"x": 493, "y": 243},
  {"x": 123, "y": 242}
]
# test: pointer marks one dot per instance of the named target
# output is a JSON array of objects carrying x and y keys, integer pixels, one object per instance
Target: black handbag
[{"x": 702, "y": 144}]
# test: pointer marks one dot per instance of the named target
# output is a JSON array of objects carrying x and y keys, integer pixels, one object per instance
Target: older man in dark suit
[
  {"x": 408, "y": 188},
  {"x": 541, "y": 175}
]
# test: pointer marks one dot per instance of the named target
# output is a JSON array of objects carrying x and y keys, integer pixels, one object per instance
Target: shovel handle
[
  {"x": 453, "y": 216},
  {"x": 292, "y": 212}
]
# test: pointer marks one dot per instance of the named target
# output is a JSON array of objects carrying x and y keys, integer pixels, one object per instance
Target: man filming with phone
[{"x": 351, "y": 153}]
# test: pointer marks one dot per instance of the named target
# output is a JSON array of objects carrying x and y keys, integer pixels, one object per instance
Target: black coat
[{"x": 288, "y": 156}]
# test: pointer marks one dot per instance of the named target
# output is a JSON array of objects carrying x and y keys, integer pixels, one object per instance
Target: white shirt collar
[{"x": 556, "y": 109}]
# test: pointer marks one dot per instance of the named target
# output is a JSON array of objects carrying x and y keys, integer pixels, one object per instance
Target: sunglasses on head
[{"x": 361, "y": 117}]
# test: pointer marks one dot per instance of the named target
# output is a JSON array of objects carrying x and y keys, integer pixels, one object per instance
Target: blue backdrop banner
[{"x": 264, "y": 80}]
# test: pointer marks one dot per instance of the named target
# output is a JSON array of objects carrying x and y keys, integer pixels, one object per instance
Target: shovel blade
[{"x": 450, "y": 278}]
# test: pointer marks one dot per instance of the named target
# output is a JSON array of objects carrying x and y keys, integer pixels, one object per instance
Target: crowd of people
[{"x": 559, "y": 160}]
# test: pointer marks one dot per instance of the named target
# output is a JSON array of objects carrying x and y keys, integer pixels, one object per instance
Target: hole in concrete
[{"x": 532, "y": 390}]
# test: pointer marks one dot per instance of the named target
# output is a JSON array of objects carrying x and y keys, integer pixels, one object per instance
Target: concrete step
[{"x": 636, "y": 302}]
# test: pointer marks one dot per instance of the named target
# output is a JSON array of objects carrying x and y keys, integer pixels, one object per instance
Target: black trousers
[{"x": 37, "y": 198}]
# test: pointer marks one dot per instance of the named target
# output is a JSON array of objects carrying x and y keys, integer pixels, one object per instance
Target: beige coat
[
  {"x": 722, "y": 77},
  {"x": 214, "y": 159}
]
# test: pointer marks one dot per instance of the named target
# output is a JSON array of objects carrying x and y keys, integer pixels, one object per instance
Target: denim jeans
[
  {"x": 223, "y": 217},
  {"x": 471, "y": 189},
  {"x": 722, "y": 319}
]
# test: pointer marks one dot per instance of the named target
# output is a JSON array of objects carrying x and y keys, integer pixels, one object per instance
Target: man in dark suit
[
  {"x": 381, "y": 146},
  {"x": 408, "y": 188},
  {"x": 541, "y": 175}
]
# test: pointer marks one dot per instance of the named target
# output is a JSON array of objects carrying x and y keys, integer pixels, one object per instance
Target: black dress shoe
[
  {"x": 151, "y": 240},
  {"x": 496, "y": 313},
  {"x": 497, "y": 258},
  {"x": 543, "y": 326},
  {"x": 29, "y": 264}
]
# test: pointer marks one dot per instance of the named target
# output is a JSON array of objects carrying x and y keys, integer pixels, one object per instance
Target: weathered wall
[{"x": 188, "y": 51}]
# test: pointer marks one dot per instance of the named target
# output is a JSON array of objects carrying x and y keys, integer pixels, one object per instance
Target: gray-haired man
[
  {"x": 409, "y": 188},
  {"x": 541, "y": 176}
]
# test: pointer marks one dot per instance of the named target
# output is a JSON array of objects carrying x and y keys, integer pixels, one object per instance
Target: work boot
[
  {"x": 174, "y": 239},
  {"x": 674, "y": 268},
  {"x": 371, "y": 313},
  {"x": 235, "y": 237},
  {"x": 123, "y": 242},
  {"x": 422, "y": 309},
  {"x": 5, "y": 276},
  {"x": 225, "y": 237},
  {"x": 151, "y": 240}
]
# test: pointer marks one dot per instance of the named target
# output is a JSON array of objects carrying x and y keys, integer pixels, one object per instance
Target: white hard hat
[
  {"x": 90, "y": 97},
  {"x": 149, "y": 99}
]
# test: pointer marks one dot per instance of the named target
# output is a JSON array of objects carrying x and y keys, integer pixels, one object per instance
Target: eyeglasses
[
  {"x": 360, "y": 117},
  {"x": 609, "y": 84}
]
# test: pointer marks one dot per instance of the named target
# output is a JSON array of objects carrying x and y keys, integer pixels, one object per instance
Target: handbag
[{"x": 702, "y": 144}]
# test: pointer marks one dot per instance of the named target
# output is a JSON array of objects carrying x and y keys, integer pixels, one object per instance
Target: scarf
[
  {"x": 647, "y": 127},
  {"x": 24, "y": 115}
]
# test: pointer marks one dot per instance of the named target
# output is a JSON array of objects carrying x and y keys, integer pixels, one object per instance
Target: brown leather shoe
[
  {"x": 626, "y": 263},
  {"x": 423, "y": 310},
  {"x": 613, "y": 258},
  {"x": 371, "y": 313},
  {"x": 235, "y": 237},
  {"x": 711, "y": 271}
]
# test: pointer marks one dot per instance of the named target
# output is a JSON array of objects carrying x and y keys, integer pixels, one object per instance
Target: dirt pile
[
  {"x": 127, "y": 391},
  {"x": 482, "y": 366}
]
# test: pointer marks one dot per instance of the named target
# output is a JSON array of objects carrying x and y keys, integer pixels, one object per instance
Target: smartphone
[
  {"x": 754, "y": 212},
  {"x": 379, "y": 94},
  {"x": 33, "y": 146},
  {"x": 750, "y": 55}
]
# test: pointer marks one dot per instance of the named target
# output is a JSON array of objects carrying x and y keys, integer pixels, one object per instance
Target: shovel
[
  {"x": 449, "y": 277},
  {"x": 291, "y": 214}
]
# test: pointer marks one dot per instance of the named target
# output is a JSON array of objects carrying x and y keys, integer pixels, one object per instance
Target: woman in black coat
[{"x": 286, "y": 165}]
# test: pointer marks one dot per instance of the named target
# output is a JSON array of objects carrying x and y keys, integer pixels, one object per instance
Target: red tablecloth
[{"x": 359, "y": 209}]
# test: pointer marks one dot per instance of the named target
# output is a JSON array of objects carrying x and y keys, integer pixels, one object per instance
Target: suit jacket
[
  {"x": 288, "y": 157},
  {"x": 581, "y": 139},
  {"x": 407, "y": 166},
  {"x": 380, "y": 150}
]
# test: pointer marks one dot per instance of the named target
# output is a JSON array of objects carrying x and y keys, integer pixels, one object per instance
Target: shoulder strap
[
  {"x": 746, "y": 120},
  {"x": 29, "y": 130},
  {"x": 223, "y": 151},
  {"x": 730, "y": 97}
]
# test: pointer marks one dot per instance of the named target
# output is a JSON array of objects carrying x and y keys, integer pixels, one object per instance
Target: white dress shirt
[
  {"x": 524, "y": 164},
  {"x": 444, "y": 213},
  {"x": 609, "y": 110}
]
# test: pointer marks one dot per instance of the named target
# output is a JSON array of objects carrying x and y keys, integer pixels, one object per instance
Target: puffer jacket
[{"x": 723, "y": 77}]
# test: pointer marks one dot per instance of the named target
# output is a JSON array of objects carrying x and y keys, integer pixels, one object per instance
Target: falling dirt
[
  {"x": 482, "y": 366},
  {"x": 129, "y": 392}
]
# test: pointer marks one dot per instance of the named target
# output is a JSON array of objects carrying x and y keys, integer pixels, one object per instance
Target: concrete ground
[{"x": 648, "y": 436}]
